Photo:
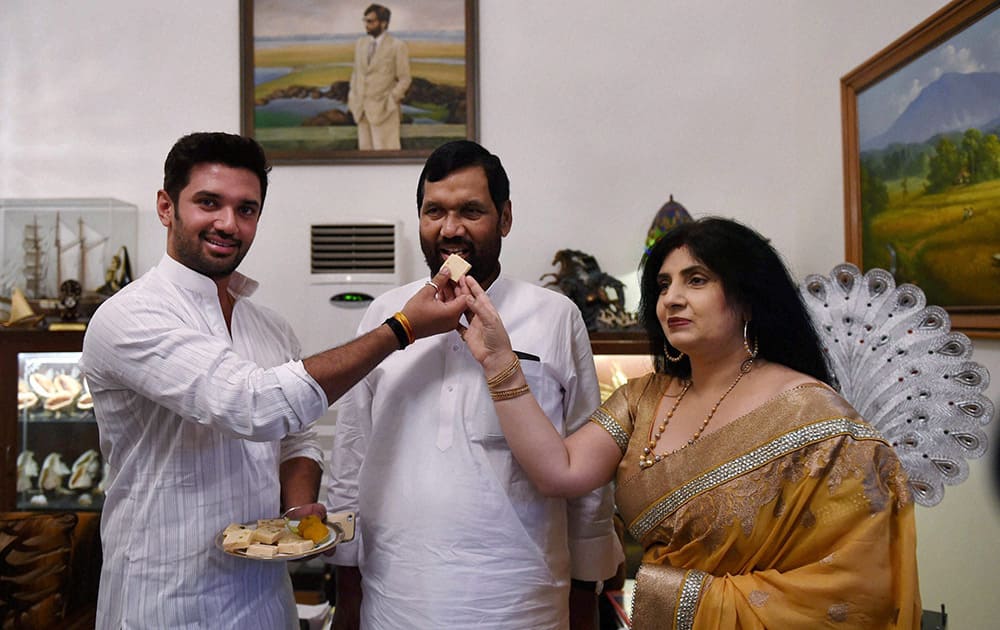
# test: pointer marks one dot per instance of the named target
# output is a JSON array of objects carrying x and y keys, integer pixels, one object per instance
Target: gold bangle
[
  {"x": 406, "y": 325},
  {"x": 507, "y": 394},
  {"x": 504, "y": 374}
]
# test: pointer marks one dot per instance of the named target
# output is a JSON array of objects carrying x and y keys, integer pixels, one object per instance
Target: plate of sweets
[{"x": 281, "y": 539}]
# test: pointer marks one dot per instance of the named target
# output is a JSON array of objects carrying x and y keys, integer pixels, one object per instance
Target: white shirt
[
  {"x": 193, "y": 425},
  {"x": 452, "y": 533}
]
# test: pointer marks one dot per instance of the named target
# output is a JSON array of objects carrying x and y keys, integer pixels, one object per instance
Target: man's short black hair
[
  {"x": 213, "y": 148},
  {"x": 459, "y": 154}
]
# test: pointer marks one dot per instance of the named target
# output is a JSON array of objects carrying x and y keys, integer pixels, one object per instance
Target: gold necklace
[{"x": 649, "y": 456}]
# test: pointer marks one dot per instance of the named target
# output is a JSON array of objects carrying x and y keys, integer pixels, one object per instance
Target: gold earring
[
  {"x": 666, "y": 353},
  {"x": 746, "y": 341}
]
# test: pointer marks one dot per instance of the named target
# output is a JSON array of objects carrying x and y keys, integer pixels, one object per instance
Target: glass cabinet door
[{"x": 58, "y": 464}]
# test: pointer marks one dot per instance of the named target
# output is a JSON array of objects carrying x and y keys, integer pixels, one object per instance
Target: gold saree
[{"x": 796, "y": 515}]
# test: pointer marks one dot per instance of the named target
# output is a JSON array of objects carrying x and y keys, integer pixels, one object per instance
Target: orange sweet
[{"x": 312, "y": 527}]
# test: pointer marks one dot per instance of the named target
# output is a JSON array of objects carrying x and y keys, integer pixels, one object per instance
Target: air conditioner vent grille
[{"x": 353, "y": 248}]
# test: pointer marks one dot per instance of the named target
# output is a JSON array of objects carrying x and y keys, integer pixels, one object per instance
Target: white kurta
[
  {"x": 193, "y": 424},
  {"x": 452, "y": 533}
]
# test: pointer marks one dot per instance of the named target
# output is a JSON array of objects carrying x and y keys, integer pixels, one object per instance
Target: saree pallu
[{"x": 796, "y": 515}]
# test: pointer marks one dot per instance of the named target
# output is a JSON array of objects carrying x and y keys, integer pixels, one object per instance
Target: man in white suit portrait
[{"x": 379, "y": 82}]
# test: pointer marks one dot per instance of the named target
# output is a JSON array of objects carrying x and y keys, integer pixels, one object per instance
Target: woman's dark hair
[{"x": 754, "y": 279}]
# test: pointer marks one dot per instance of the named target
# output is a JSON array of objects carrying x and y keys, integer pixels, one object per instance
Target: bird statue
[{"x": 896, "y": 360}]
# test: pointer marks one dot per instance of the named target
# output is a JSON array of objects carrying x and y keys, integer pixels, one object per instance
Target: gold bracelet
[
  {"x": 507, "y": 394},
  {"x": 504, "y": 374},
  {"x": 406, "y": 325}
]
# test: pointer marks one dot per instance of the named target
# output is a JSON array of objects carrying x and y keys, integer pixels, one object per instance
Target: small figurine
[
  {"x": 118, "y": 274},
  {"x": 69, "y": 300},
  {"x": 27, "y": 469},
  {"x": 84, "y": 470},
  {"x": 53, "y": 472},
  {"x": 592, "y": 290}
]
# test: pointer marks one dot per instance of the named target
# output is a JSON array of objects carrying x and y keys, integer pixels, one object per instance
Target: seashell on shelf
[
  {"x": 27, "y": 469},
  {"x": 85, "y": 402},
  {"x": 53, "y": 471},
  {"x": 26, "y": 400},
  {"x": 59, "y": 402},
  {"x": 84, "y": 470},
  {"x": 68, "y": 384},
  {"x": 22, "y": 386},
  {"x": 42, "y": 385}
]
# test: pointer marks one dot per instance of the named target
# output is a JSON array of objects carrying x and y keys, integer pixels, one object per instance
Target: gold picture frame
[
  {"x": 913, "y": 203},
  {"x": 297, "y": 58}
]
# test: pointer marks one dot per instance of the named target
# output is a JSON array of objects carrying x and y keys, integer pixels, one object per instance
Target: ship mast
[
  {"x": 82, "y": 272},
  {"x": 58, "y": 255}
]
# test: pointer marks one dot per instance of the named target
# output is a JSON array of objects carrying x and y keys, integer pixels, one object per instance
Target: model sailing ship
[
  {"x": 69, "y": 262},
  {"x": 80, "y": 254}
]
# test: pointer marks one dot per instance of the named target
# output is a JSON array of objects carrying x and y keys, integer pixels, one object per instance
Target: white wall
[{"x": 599, "y": 110}]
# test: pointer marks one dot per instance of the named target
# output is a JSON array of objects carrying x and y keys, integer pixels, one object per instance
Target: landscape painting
[
  {"x": 298, "y": 57},
  {"x": 928, "y": 168}
]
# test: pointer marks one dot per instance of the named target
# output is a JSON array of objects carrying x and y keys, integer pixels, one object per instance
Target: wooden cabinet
[
  {"x": 619, "y": 356},
  {"x": 67, "y": 431},
  {"x": 63, "y": 431}
]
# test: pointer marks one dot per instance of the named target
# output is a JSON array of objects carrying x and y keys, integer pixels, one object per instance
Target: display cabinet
[
  {"x": 46, "y": 242},
  {"x": 48, "y": 433},
  {"x": 619, "y": 356}
]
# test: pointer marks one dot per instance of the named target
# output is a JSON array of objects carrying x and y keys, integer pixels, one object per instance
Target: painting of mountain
[
  {"x": 928, "y": 146},
  {"x": 954, "y": 102}
]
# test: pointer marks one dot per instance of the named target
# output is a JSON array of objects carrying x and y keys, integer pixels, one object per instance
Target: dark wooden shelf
[{"x": 615, "y": 342}]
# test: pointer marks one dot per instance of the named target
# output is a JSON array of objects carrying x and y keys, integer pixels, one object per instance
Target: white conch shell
[
  {"x": 85, "y": 401},
  {"x": 42, "y": 385},
  {"x": 53, "y": 471},
  {"x": 84, "y": 469},
  {"x": 27, "y": 469},
  {"x": 26, "y": 400},
  {"x": 22, "y": 386},
  {"x": 58, "y": 402},
  {"x": 68, "y": 384}
]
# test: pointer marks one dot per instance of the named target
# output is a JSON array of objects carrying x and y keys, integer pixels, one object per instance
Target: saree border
[
  {"x": 604, "y": 420},
  {"x": 778, "y": 447}
]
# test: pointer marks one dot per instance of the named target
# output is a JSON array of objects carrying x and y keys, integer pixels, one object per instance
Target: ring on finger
[{"x": 431, "y": 283}]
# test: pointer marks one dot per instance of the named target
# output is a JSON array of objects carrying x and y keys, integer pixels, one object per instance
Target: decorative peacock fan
[{"x": 896, "y": 360}]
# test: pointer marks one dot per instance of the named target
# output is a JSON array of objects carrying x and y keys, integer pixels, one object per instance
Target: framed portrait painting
[
  {"x": 921, "y": 138},
  {"x": 326, "y": 81}
]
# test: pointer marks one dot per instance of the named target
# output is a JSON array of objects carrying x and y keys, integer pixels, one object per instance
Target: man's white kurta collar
[{"x": 240, "y": 286}]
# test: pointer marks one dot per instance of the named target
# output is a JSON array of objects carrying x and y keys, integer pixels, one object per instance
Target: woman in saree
[{"x": 760, "y": 497}]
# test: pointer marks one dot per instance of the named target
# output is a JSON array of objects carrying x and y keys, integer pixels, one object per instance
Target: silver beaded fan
[{"x": 897, "y": 362}]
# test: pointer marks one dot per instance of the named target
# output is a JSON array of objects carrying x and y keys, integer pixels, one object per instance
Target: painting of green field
[
  {"x": 320, "y": 66},
  {"x": 948, "y": 243}
]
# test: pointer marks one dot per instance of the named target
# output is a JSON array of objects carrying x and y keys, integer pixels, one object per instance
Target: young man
[
  {"x": 204, "y": 408},
  {"x": 451, "y": 532},
  {"x": 379, "y": 82}
]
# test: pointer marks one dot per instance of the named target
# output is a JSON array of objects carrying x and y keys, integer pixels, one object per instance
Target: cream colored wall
[{"x": 600, "y": 110}]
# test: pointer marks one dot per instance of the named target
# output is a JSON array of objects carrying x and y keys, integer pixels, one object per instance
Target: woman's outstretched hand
[{"x": 486, "y": 337}]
